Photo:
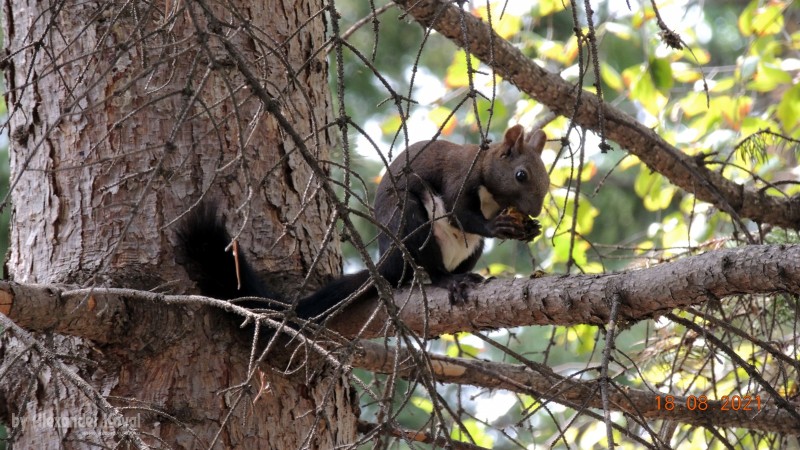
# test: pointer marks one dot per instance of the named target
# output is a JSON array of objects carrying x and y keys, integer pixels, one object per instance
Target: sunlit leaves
[
  {"x": 674, "y": 233},
  {"x": 655, "y": 191},
  {"x": 641, "y": 17},
  {"x": 391, "y": 125},
  {"x": 697, "y": 55},
  {"x": 611, "y": 77},
  {"x": 548, "y": 7},
  {"x": 768, "y": 77},
  {"x": 661, "y": 72},
  {"x": 486, "y": 109},
  {"x": 722, "y": 85},
  {"x": 693, "y": 103},
  {"x": 643, "y": 89},
  {"x": 751, "y": 125},
  {"x": 444, "y": 118},
  {"x": 788, "y": 111},
  {"x": 685, "y": 72},
  {"x": 497, "y": 269},
  {"x": 563, "y": 53},
  {"x": 503, "y": 23},
  {"x": 762, "y": 20},
  {"x": 474, "y": 432},
  {"x": 561, "y": 250},
  {"x": 585, "y": 212},
  {"x": 422, "y": 403},
  {"x": 458, "y": 71},
  {"x": 734, "y": 110},
  {"x": 567, "y": 248},
  {"x": 462, "y": 350}
]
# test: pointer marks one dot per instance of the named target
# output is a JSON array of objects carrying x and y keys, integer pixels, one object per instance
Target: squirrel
[{"x": 438, "y": 198}]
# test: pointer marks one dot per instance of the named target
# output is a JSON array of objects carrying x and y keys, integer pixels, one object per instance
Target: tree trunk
[{"x": 123, "y": 115}]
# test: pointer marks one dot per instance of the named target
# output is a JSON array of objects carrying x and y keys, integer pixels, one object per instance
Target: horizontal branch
[
  {"x": 541, "y": 382},
  {"x": 562, "y": 98},
  {"x": 126, "y": 316},
  {"x": 586, "y": 299},
  {"x": 109, "y": 315}
]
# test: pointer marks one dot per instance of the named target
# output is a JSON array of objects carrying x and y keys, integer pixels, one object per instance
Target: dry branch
[
  {"x": 106, "y": 315},
  {"x": 566, "y": 99},
  {"x": 109, "y": 315},
  {"x": 541, "y": 382},
  {"x": 586, "y": 299}
]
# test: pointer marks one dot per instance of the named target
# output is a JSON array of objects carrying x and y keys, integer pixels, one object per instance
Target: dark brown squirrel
[{"x": 439, "y": 199}]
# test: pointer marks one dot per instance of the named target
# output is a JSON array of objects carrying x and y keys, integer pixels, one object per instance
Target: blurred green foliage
[{"x": 606, "y": 212}]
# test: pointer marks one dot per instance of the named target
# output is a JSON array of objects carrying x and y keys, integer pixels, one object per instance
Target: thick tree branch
[
  {"x": 541, "y": 382},
  {"x": 585, "y": 299},
  {"x": 120, "y": 315},
  {"x": 562, "y": 98},
  {"x": 108, "y": 315}
]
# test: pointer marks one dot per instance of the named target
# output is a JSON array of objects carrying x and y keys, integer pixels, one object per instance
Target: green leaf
[
  {"x": 723, "y": 85},
  {"x": 499, "y": 269},
  {"x": 586, "y": 215},
  {"x": 746, "y": 18},
  {"x": 477, "y": 433},
  {"x": 503, "y": 23},
  {"x": 788, "y": 111},
  {"x": 643, "y": 16},
  {"x": 767, "y": 21},
  {"x": 443, "y": 118},
  {"x": 547, "y": 7},
  {"x": 704, "y": 123},
  {"x": 461, "y": 349},
  {"x": 697, "y": 55},
  {"x": 661, "y": 72},
  {"x": 676, "y": 233},
  {"x": 693, "y": 103},
  {"x": 642, "y": 89},
  {"x": 391, "y": 125},
  {"x": 611, "y": 77},
  {"x": 767, "y": 49},
  {"x": 751, "y": 125},
  {"x": 685, "y": 72},
  {"x": 422, "y": 403},
  {"x": 768, "y": 77},
  {"x": 561, "y": 249},
  {"x": 485, "y": 107},
  {"x": 457, "y": 74},
  {"x": 653, "y": 189}
]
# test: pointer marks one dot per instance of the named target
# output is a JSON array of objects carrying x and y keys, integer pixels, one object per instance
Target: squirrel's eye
[{"x": 521, "y": 176}]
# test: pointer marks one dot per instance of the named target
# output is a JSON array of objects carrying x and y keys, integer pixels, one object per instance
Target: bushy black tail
[
  {"x": 202, "y": 238},
  {"x": 332, "y": 294}
]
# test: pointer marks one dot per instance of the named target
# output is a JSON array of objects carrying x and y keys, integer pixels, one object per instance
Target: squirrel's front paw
[{"x": 459, "y": 285}]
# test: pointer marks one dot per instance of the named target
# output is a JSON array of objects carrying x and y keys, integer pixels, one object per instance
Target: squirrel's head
[{"x": 516, "y": 175}]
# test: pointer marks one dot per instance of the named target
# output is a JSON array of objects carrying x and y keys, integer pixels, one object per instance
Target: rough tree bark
[{"x": 122, "y": 117}]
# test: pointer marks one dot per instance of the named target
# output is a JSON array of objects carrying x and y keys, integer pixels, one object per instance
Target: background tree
[{"x": 151, "y": 107}]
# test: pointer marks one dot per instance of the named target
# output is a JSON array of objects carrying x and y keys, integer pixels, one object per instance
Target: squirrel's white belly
[{"x": 455, "y": 244}]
